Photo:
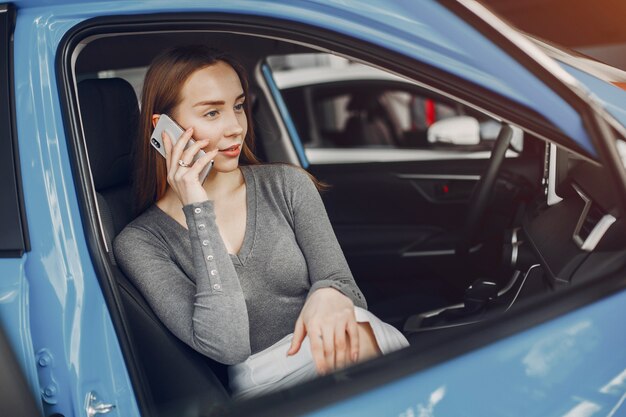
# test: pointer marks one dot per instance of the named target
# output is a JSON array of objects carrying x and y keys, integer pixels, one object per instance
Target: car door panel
[{"x": 398, "y": 223}]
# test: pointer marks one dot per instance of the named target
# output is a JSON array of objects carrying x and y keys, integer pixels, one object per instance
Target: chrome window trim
[
  {"x": 519, "y": 290},
  {"x": 598, "y": 231},
  {"x": 438, "y": 177},
  {"x": 441, "y": 252},
  {"x": 553, "y": 198},
  {"x": 325, "y": 156}
]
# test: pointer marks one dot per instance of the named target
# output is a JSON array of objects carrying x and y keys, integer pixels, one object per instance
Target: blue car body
[{"x": 53, "y": 309}]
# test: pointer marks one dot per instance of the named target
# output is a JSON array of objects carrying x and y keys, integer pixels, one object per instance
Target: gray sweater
[{"x": 229, "y": 306}]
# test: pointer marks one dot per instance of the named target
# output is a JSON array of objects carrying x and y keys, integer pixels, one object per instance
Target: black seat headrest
[
  {"x": 110, "y": 112},
  {"x": 363, "y": 101}
]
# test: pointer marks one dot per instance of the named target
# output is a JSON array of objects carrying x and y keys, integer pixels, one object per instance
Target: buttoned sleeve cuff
[
  {"x": 196, "y": 212},
  {"x": 200, "y": 219},
  {"x": 346, "y": 287}
]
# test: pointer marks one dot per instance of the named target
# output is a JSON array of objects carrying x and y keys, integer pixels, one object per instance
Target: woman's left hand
[{"x": 328, "y": 318}]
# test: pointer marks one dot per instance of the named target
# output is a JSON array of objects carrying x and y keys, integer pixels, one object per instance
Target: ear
[{"x": 155, "y": 119}]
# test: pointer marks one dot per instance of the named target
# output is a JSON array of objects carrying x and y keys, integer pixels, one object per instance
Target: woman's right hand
[{"x": 185, "y": 180}]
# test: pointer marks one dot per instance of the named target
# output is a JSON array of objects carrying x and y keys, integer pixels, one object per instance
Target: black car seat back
[
  {"x": 179, "y": 379},
  {"x": 366, "y": 124}
]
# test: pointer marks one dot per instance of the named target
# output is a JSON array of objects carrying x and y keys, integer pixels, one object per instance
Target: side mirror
[
  {"x": 458, "y": 130},
  {"x": 490, "y": 128},
  {"x": 517, "y": 141}
]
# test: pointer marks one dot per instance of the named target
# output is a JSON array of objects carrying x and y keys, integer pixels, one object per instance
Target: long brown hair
[{"x": 161, "y": 93}]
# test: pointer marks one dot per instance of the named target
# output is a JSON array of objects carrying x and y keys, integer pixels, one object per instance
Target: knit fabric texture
[{"x": 229, "y": 306}]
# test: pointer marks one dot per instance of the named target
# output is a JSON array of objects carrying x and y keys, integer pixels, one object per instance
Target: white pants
[{"x": 271, "y": 369}]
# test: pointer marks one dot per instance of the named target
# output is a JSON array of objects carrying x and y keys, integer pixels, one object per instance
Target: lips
[{"x": 230, "y": 149}]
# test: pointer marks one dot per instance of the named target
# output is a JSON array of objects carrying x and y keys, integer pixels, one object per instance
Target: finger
[
  {"x": 178, "y": 148},
  {"x": 199, "y": 165},
  {"x": 170, "y": 154},
  {"x": 328, "y": 335},
  {"x": 353, "y": 334},
  {"x": 191, "y": 151},
  {"x": 298, "y": 336},
  {"x": 317, "y": 351},
  {"x": 205, "y": 159},
  {"x": 348, "y": 350},
  {"x": 170, "y": 163},
  {"x": 181, "y": 143},
  {"x": 341, "y": 351},
  {"x": 167, "y": 144}
]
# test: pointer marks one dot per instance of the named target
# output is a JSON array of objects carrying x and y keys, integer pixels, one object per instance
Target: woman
[{"x": 243, "y": 267}]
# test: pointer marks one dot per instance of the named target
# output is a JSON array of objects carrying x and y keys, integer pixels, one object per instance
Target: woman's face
[{"x": 212, "y": 103}]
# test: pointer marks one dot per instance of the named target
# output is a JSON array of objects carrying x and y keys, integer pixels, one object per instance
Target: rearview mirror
[{"x": 458, "y": 130}]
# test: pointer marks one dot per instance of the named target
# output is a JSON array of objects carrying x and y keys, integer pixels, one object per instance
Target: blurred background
[{"x": 593, "y": 27}]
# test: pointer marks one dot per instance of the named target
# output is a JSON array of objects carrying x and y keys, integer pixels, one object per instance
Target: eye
[
  {"x": 239, "y": 107},
  {"x": 211, "y": 114}
]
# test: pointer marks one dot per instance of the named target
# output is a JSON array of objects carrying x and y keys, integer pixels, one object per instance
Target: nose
[{"x": 235, "y": 124}]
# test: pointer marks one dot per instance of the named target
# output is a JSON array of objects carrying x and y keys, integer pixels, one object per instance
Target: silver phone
[{"x": 174, "y": 131}]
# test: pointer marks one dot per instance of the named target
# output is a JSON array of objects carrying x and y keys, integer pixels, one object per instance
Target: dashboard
[
  {"x": 572, "y": 234},
  {"x": 581, "y": 236}
]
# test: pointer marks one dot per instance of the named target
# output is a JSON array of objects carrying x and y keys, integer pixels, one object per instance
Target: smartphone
[{"x": 174, "y": 131}]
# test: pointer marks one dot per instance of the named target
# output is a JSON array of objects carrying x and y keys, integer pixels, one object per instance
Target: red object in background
[
  {"x": 445, "y": 189},
  {"x": 621, "y": 85},
  {"x": 429, "y": 110}
]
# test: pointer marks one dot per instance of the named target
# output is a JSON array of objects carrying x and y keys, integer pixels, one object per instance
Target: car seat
[
  {"x": 178, "y": 379},
  {"x": 366, "y": 126}
]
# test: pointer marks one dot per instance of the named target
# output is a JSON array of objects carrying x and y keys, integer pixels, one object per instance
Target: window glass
[
  {"x": 336, "y": 103},
  {"x": 333, "y": 112}
]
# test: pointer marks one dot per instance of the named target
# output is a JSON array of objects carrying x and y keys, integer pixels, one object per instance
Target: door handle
[{"x": 95, "y": 407}]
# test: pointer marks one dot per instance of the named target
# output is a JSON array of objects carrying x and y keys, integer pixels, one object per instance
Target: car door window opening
[{"x": 342, "y": 104}]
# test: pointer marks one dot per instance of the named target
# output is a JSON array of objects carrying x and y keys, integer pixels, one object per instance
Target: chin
[{"x": 226, "y": 166}]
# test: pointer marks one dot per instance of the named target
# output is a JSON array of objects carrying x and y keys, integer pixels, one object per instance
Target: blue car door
[{"x": 558, "y": 356}]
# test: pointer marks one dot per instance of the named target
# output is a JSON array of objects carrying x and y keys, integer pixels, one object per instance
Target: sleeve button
[
  {"x": 209, "y": 258},
  {"x": 197, "y": 210},
  {"x": 201, "y": 226},
  {"x": 205, "y": 243},
  {"x": 217, "y": 286},
  {"x": 213, "y": 272}
]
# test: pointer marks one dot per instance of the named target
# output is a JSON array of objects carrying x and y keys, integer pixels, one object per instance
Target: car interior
[
  {"x": 368, "y": 117},
  {"x": 434, "y": 244}
]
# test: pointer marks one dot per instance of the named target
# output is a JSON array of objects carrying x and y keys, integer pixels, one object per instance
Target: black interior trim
[
  {"x": 341, "y": 385},
  {"x": 608, "y": 151},
  {"x": 16, "y": 398},
  {"x": 14, "y": 239}
]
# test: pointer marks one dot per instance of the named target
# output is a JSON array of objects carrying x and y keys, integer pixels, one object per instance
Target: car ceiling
[{"x": 137, "y": 50}]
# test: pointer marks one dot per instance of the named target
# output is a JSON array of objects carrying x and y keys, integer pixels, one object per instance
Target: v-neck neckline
[{"x": 250, "y": 232}]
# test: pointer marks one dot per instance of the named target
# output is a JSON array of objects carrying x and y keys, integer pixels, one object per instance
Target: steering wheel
[{"x": 483, "y": 190}]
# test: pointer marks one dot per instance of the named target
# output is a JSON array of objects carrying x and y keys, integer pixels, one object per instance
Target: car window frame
[
  {"x": 339, "y": 386},
  {"x": 14, "y": 240}
]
